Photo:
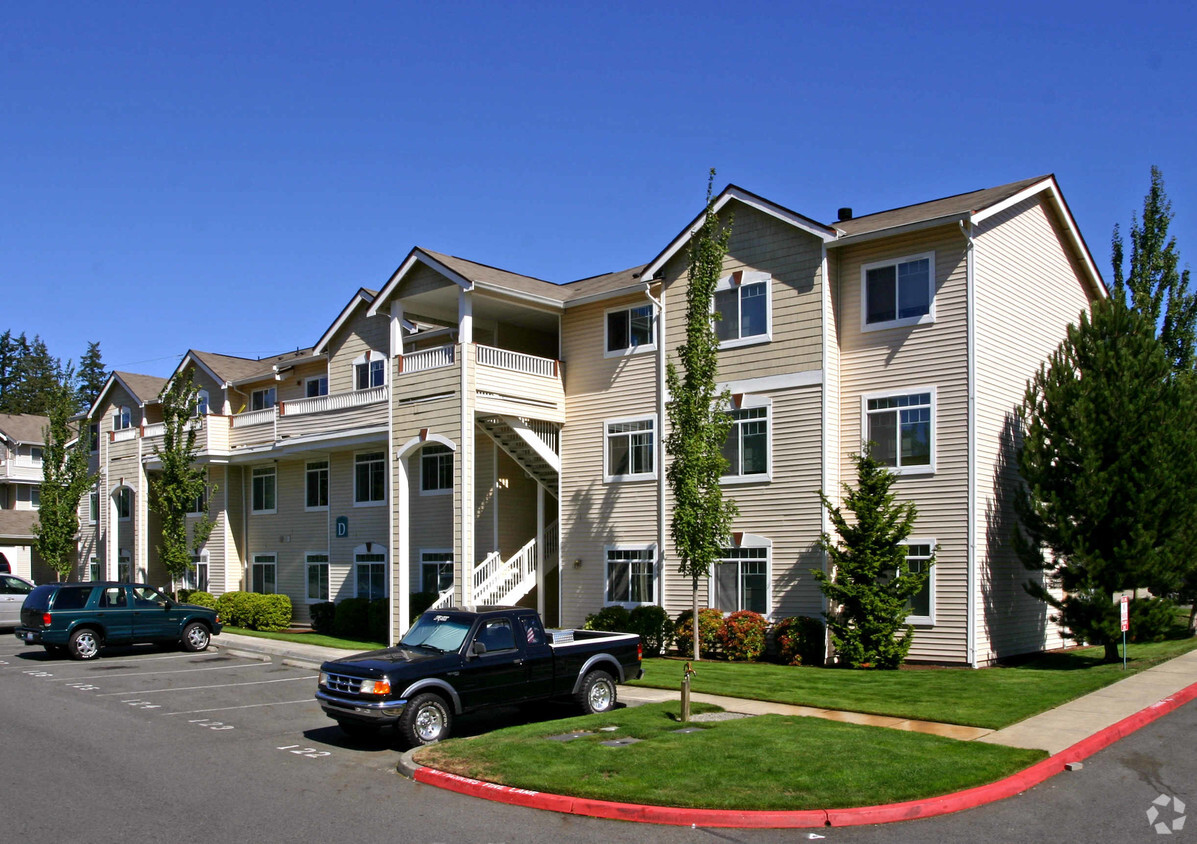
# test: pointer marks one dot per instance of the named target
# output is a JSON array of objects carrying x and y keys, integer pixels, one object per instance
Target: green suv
[{"x": 81, "y": 618}]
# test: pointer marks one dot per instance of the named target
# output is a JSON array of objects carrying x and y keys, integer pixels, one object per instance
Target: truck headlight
[
  {"x": 322, "y": 679},
  {"x": 376, "y": 687}
]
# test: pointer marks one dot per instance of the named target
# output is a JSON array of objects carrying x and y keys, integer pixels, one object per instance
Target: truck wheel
[
  {"x": 356, "y": 729},
  {"x": 84, "y": 644},
  {"x": 195, "y": 637},
  {"x": 597, "y": 693},
  {"x": 425, "y": 720}
]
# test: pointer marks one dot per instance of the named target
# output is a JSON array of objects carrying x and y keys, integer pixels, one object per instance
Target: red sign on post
[{"x": 1125, "y": 613}]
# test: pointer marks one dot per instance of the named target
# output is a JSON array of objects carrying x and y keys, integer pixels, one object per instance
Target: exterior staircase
[
  {"x": 499, "y": 582},
  {"x": 532, "y": 443}
]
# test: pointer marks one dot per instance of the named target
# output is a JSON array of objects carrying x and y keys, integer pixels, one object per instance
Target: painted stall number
[
  {"x": 83, "y": 687},
  {"x": 211, "y": 725},
  {"x": 309, "y": 752},
  {"x": 36, "y": 673},
  {"x": 141, "y": 704}
]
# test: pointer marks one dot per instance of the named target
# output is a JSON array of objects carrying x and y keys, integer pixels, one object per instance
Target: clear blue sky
[{"x": 224, "y": 176}]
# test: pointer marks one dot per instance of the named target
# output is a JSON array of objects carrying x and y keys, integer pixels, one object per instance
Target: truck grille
[{"x": 343, "y": 683}]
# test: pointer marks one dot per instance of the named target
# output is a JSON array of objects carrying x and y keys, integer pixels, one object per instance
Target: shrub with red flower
[{"x": 742, "y": 636}]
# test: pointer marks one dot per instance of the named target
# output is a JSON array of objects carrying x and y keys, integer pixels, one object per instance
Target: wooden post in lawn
[{"x": 686, "y": 693}]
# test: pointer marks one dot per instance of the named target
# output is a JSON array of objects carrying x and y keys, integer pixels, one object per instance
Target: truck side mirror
[{"x": 478, "y": 649}]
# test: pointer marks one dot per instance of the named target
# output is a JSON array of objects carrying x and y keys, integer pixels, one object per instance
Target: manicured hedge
[
  {"x": 198, "y": 597},
  {"x": 253, "y": 611},
  {"x": 742, "y": 636},
  {"x": 323, "y": 617}
]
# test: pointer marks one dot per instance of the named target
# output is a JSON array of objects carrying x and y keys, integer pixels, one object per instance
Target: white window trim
[
  {"x": 367, "y": 357},
  {"x": 929, "y": 469},
  {"x": 203, "y": 403},
  {"x": 423, "y": 562},
  {"x": 93, "y": 513},
  {"x": 320, "y": 508},
  {"x": 420, "y": 474},
  {"x": 924, "y": 319},
  {"x": 119, "y": 517},
  {"x": 192, "y": 514},
  {"x": 123, "y": 418},
  {"x": 630, "y": 350},
  {"x": 925, "y": 620},
  {"x": 656, "y": 440},
  {"x": 263, "y": 559},
  {"x": 316, "y": 378},
  {"x": 656, "y": 580},
  {"x": 750, "y": 540},
  {"x": 748, "y": 277},
  {"x": 263, "y": 390},
  {"x": 761, "y": 477},
  {"x": 385, "y": 484},
  {"x": 384, "y": 562},
  {"x": 308, "y": 563},
  {"x": 274, "y": 474}
]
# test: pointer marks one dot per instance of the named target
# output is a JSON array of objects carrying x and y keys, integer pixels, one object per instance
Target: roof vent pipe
[{"x": 845, "y": 214}]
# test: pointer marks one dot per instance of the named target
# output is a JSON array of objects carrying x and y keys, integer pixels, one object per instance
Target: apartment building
[
  {"x": 22, "y": 441},
  {"x": 496, "y": 438}
]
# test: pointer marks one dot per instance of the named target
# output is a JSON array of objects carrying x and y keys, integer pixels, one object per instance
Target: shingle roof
[
  {"x": 236, "y": 369},
  {"x": 950, "y": 206},
  {"x": 17, "y": 523},
  {"x": 145, "y": 388},
  {"x": 488, "y": 275},
  {"x": 23, "y": 427}
]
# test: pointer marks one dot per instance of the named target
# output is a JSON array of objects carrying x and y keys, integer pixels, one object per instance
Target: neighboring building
[
  {"x": 497, "y": 438},
  {"x": 22, "y": 441}
]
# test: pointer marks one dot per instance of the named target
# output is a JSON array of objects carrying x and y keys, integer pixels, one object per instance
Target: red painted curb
[{"x": 781, "y": 819}]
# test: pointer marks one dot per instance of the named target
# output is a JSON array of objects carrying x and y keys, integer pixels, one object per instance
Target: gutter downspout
[
  {"x": 659, "y": 305},
  {"x": 971, "y": 579}
]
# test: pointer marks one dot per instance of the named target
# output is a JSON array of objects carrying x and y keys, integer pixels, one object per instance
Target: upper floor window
[
  {"x": 921, "y": 605},
  {"x": 747, "y": 447},
  {"x": 199, "y": 504},
  {"x": 122, "y": 418},
  {"x": 901, "y": 428},
  {"x": 316, "y": 386},
  {"x": 94, "y": 430},
  {"x": 631, "y": 574},
  {"x": 93, "y": 507},
  {"x": 742, "y": 309},
  {"x": 316, "y": 485},
  {"x": 898, "y": 292},
  {"x": 262, "y": 399},
  {"x": 264, "y": 488},
  {"x": 436, "y": 469},
  {"x": 630, "y": 449},
  {"x": 124, "y": 503},
  {"x": 35, "y": 455},
  {"x": 28, "y": 497},
  {"x": 369, "y": 370},
  {"x": 370, "y": 478},
  {"x": 201, "y": 403},
  {"x": 630, "y": 330}
]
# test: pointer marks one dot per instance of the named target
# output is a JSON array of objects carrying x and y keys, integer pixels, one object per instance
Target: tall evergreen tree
[
  {"x": 38, "y": 376},
  {"x": 92, "y": 376},
  {"x": 181, "y": 483},
  {"x": 1107, "y": 459},
  {"x": 12, "y": 351},
  {"x": 65, "y": 480},
  {"x": 702, "y": 519},
  {"x": 869, "y": 582},
  {"x": 1154, "y": 285}
]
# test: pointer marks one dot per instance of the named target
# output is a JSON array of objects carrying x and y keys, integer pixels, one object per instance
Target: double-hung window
[
  {"x": 316, "y": 386},
  {"x": 921, "y": 605},
  {"x": 630, "y": 330},
  {"x": 740, "y": 580},
  {"x": 93, "y": 508},
  {"x": 898, "y": 292},
  {"x": 122, "y": 418},
  {"x": 436, "y": 469},
  {"x": 742, "y": 309},
  {"x": 370, "y": 570},
  {"x": 369, "y": 371},
  {"x": 436, "y": 571},
  {"x": 370, "y": 478},
  {"x": 317, "y": 577},
  {"x": 631, "y": 574},
  {"x": 93, "y": 431},
  {"x": 630, "y": 449},
  {"x": 316, "y": 485},
  {"x": 264, "y": 490},
  {"x": 263, "y": 573},
  {"x": 201, "y": 403},
  {"x": 196, "y": 577},
  {"x": 262, "y": 399},
  {"x": 199, "y": 504},
  {"x": 901, "y": 429},
  {"x": 124, "y": 503},
  {"x": 747, "y": 447},
  {"x": 35, "y": 455}
]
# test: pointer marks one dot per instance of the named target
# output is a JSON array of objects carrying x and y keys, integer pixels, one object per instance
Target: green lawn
[
  {"x": 317, "y": 639},
  {"x": 766, "y": 762},
  {"x": 990, "y": 697}
]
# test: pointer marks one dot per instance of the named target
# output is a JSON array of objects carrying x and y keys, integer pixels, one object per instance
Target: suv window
[
  {"x": 39, "y": 598},
  {"x": 113, "y": 596},
  {"x": 147, "y": 596},
  {"x": 72, "y": 597}
]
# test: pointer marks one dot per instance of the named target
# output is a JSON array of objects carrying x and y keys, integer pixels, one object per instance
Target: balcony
[
  {"x": 20, "y": 467},
  {"x": 211, "y": 434},
  {"x": 506, "y": 382},
  {"x": 332, "y": 414}
]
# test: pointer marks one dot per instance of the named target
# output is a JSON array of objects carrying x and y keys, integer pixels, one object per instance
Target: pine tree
[
  {"x": 92, "y": 376},
  {"x": 175, "y": 490},
  {"x": 38, "y": 375},
  {"x": 65, "y": 480},
  {"x": 12, "y": 350},
  {"x": 1107, "y": 459},
  {"x": 702, "y": 519},
  {"x": 869, "y": 582}
]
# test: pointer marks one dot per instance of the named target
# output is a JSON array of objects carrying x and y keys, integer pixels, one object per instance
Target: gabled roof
[
  {"x": 143, "y": 388},
  {"x": 234, "y": 370},
  {"x": 23, "y": 428},
  {"x": 363, "y": 296}
]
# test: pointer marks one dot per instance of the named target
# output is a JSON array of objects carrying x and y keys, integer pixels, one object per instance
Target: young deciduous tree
[
  {"x": 869, "y": 582},
  {"x": 1108, "y": 456},
  {"x": 175, "y": 491},
  {"x": 699, "y": 425},
  {"x": 65, "y": 480}
]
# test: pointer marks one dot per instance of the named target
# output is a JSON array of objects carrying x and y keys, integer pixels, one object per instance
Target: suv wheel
[
  {"x": 84, "y": 644},
  {"x": 597, "y": 693},
  {"x": 195, "y": 637},
  {"x": 425, "y": 720}
]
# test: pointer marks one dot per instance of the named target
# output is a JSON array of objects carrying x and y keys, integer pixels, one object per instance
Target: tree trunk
[
  {"x": 1112, "y": 654},
  {"x": 697, "y": 655}
]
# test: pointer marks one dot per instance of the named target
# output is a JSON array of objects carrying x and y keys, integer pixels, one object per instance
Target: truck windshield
[{"x": 439, "y": 632}]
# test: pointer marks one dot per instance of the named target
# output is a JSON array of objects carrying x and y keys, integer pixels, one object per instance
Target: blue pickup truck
[{"x": 456, "y": 661}]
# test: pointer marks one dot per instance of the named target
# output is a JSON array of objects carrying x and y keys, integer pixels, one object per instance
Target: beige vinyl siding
[
  {"x": 595, "y": 514},
  {"x": 368, "y": 416},
  {"x": 421, "y": 278},
  {"x": 1028, "y": 290},
  {"x": 520, "y": 393},
  {"x": 292, "y": 384},
  {"x": 516, "y": 516},
  {"x": 227, "y": 572},
  {"x": 359, "y": 334},
  {"x": 430, "y": 520},
  {"x": 918, "y": 358},
  {"x": 832, "y": 398}
]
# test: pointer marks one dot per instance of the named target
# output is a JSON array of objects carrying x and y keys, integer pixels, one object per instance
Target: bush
[
  {"x": 709, "y": 622},
  {"x": 270, "y": 612},
  {"x": 323, "y": 616},
  {"x": 420, "y": 601},
  {"x": 654, "y": 627},
  {"x": 614, "y": 619},
  {"x": 742, "y": 636},
  {"x": 233, "y": 608},
  {"x": 198, "y": 597},
  {"x": 353, "y": 619},
  {"x": 799, "y": 640},
  {"x": 1151, "y": 619},
  {"x": 378, "y": 616}
]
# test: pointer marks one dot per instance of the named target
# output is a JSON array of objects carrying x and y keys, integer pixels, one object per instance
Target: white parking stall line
[
  {"x": 181, "y": 671},
  {"x": 213, "y": 686},
  {"x": 245, "y": 706}
]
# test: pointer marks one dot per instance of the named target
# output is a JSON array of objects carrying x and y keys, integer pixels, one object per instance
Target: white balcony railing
[
  {"x": 517, "y": 361},
  {"x": 339, "y": 401},
  {"x": 124, "y": 434},
  {"x": 427, "y": 359},
  {"x": 157, "y": 429},
  {"x": 254, "y": 417}
]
